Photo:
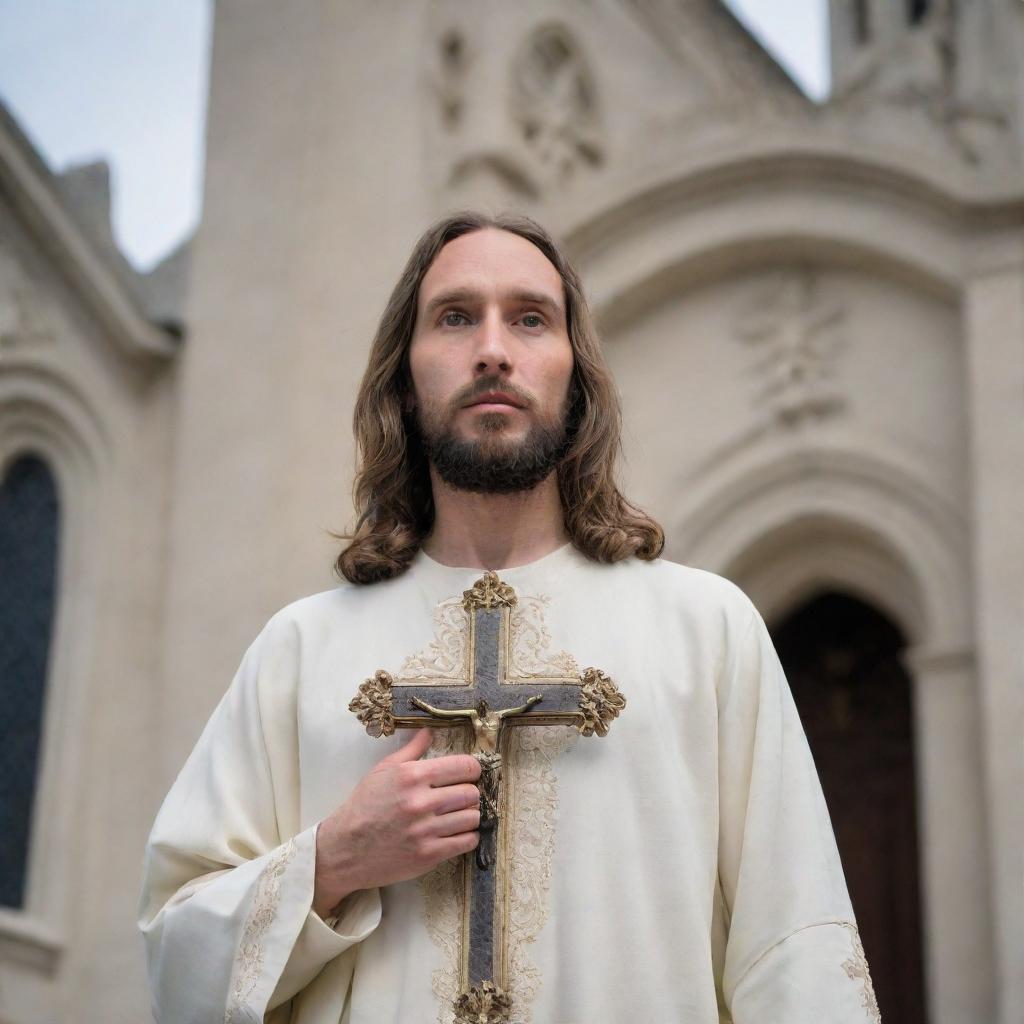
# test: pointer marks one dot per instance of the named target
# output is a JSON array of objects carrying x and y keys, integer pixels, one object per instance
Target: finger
[
  {"x": 445, "y": 799},
  {"x": 457, "y": 822},
  {"x": 444, "y": 771},
  {"x": 413, "y": 750},
  {"x": 452, "y": 846}
]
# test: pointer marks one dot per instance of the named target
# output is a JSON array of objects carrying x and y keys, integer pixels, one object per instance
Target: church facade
[{"x": 815, "y": 315}]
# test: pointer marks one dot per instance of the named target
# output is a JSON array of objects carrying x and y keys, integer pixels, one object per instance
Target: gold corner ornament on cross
[{"x": 487, "y": 698}]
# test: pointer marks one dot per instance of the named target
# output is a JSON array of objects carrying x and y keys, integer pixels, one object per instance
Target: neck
[{"x": 495, "y": 531}]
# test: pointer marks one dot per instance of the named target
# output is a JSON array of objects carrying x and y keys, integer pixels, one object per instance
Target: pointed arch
[
  {"x": 864, "y": 521},
  {"x": 820, "y": 520},
  {"x": 46, "y": 418}
]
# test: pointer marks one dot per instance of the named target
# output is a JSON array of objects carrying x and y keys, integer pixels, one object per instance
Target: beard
[{"x": 490, "y": 464}]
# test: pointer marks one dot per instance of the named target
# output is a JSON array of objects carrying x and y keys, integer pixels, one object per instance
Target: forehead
[{"x": 490, "y": 260}]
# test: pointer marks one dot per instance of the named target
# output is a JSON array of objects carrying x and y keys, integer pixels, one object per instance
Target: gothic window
[
  {"x": 862, "y": 21},
  {"x": 29, "y": 525}
]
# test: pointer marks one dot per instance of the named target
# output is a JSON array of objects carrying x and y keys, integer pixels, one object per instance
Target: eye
[
  {"x": 532, "y": 320},
  {"x": 453, "y": 318}
]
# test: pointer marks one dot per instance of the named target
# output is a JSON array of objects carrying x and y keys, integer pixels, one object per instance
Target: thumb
[{"x": 413, "y": 750}]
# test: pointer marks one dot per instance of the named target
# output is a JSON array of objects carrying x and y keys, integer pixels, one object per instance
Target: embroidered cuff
[
  {"x": 816, "y": 973},
  {"x": 317, "y": 943}
]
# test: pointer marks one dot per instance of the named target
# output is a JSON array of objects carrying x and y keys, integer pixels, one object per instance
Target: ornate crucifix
[{"x": 488, "y": 700}]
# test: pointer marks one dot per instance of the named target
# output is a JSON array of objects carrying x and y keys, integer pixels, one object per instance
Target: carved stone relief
[
  {"x": 968, "y": 126},
  {"x": 923, "y": 75},
  {"x": 554, "y": 103},
  {"x": 968, "y": 122},
  {"x": 22, "y": 323},
  {"x": 451, "y": 62},
  {"x": 796, "y": 335}
]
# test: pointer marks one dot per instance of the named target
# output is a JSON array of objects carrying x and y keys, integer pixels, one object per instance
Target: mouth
[{"x": 494, "y": 401}]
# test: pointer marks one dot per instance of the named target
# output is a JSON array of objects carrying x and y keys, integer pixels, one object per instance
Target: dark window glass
[
  {"x": 29, "y": 524},
  {"x": 916, "y": 11}
]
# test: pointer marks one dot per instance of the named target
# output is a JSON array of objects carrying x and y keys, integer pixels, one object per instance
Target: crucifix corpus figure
[
  {"x": 684, "y": 869},
  {"x": 486, "y": 731}
]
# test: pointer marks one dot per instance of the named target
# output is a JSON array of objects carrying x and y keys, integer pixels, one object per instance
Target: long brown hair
[{"x": 392, "y": 492}]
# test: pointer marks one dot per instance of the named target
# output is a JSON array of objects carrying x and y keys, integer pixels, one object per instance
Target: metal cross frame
[{"x": 488, "y": 699}]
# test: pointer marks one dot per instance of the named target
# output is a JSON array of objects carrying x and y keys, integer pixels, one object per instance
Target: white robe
[{"x": 681, "y": 869}]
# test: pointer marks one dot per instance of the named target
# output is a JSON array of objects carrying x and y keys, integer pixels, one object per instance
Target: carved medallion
[{"x": 554, "y": 102}]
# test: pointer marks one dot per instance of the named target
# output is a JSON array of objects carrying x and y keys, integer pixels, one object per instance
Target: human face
[{"x": 491, "y": 362}]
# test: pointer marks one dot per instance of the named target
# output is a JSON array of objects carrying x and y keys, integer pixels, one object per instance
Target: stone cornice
[{"x": 787, "y": 158}]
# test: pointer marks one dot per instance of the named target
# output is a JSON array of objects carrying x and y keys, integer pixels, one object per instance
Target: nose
[{"x": 492, "y": 354}]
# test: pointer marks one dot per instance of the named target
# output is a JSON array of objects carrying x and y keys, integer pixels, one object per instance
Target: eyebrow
[{"x": 466, "y": 295}]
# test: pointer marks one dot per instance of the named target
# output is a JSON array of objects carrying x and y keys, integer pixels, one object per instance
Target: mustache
[{"x": 493, "y": 383}]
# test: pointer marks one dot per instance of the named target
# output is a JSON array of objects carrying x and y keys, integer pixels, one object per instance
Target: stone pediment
[
  {"x": 531, "y": 101},
  {"x": 69, "y": 219},
  {"x": 704, "y": 35}
]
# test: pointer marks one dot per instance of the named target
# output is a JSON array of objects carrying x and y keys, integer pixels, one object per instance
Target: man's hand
[{"x": 404, "y": 817}]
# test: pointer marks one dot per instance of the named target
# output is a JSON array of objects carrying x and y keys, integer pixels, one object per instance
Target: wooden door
[{"x": 843, "y": 661}]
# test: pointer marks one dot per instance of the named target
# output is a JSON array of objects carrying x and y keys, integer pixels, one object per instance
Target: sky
[{"x": 125, "y": 81}]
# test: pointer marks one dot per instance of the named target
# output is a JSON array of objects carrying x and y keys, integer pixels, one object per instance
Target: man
[{"x": 680, "y": 869}]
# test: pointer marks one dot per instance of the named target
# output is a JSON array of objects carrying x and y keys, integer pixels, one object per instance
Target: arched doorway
[{"x": 843, "y": 661}]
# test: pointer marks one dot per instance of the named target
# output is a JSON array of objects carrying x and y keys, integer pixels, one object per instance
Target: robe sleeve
[
  {"x": 226, "y": 905},
  {"x": 792, "y": 952}
]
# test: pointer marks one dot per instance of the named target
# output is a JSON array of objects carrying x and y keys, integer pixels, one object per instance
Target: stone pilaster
[
  {"x": 955, "y": 873},
  {"x": 994, "y": 338}
]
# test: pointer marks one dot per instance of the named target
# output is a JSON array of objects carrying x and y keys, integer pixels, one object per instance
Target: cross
[{"x": 488, "y": 699}]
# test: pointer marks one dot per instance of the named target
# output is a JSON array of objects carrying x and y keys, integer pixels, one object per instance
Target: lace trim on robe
[
  {"x": 532, "y": 801},
  {"x": 249, "y": 961},
  {"x": 856, "y": 968}
]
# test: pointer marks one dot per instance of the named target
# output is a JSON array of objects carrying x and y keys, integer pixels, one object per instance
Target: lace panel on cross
[
  {"x": 856, "y": 968},
  {"x": 531, "y": 799}
]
